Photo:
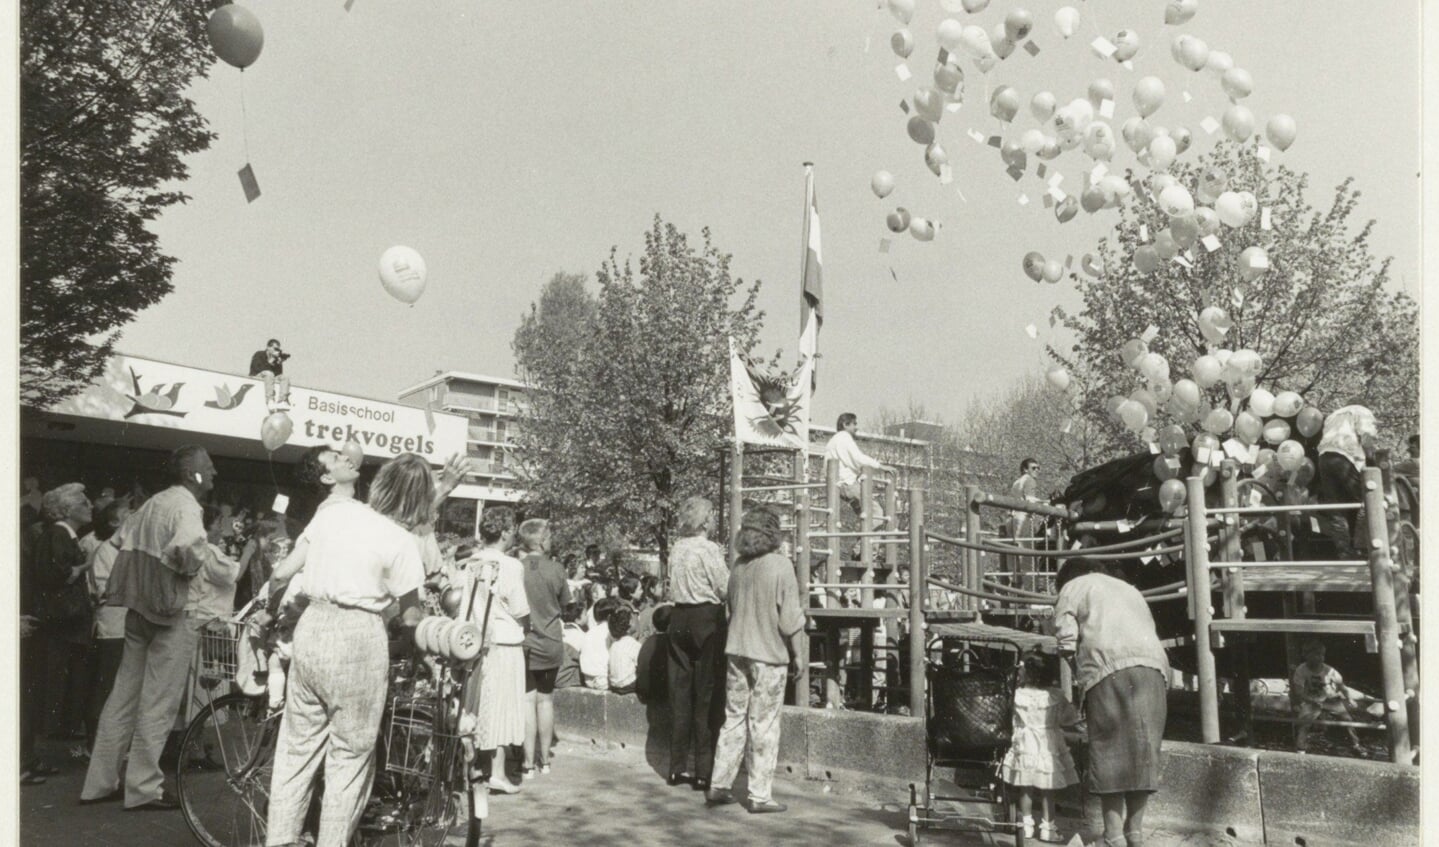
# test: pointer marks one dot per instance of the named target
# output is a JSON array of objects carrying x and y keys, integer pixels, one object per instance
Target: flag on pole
[
  {"x": 811, "y": 313},
  {"x": 772, "y": 411}
]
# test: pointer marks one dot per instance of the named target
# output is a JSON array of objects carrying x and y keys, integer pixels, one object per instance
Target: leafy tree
[
  {"x": 630, "y": 405},
  {"x": 104, "y": 133},
  {"x": 1027, "y": 419},
  {"x": 1323, "y": 317}
]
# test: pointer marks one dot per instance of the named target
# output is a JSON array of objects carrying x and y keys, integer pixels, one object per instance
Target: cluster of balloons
[
  {"x": 403, "y": 274},
  {"x": 235, "y": 34}
]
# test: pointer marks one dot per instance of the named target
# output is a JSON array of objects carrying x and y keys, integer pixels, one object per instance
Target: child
[
  {"x": 624, "y": 652},
  {"x": 652, "y": 664},
  {"x": 1315, "y": 690},
  {"x": 1038, "y": 760},
  {"x": 573, "y": 635},
  {"x": 595, "y": 656}
]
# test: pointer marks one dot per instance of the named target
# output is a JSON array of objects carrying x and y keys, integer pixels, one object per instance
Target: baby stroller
[{"x": 971, "y": 669}]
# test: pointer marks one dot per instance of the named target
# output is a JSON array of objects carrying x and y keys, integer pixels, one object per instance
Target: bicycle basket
[
  {"x": 413, "y": 743},
  {"x": 971, "y": 711},
  {"x": 219, "y": 651}
]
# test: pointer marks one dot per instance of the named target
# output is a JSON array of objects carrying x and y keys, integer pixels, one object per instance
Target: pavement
[{"x": 594, "y": 797}]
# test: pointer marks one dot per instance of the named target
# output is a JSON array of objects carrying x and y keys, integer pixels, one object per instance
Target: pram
[{"x": 971, "y": 670}]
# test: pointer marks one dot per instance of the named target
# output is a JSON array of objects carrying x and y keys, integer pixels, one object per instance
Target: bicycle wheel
[
  {"x": 223, "y": 776},
  {"x": 421, "y": 797}
]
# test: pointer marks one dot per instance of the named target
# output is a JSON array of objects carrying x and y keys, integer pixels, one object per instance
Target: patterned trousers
[
  {"x": 337, "y": 687},
  {"x": 754, "y": 693}
]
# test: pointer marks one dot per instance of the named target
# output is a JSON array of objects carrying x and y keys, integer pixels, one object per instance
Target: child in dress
[
  {"x": 1038, "y": 760},
  {"x": 1317, "y": 690}
]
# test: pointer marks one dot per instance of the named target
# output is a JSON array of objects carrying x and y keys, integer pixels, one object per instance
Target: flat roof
[{"x": 446, "y": 376}]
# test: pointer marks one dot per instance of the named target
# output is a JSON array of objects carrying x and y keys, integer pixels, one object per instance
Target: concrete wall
[{"x": 1234, "y": 794}]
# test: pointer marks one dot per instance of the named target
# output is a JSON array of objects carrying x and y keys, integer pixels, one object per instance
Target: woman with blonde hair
[
  {"x": 699, "y": 582},
  {"x": 357, "y": 561}
]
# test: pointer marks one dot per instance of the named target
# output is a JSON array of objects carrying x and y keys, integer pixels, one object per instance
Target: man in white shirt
[
  {"x": 595, "y": 654},
  {"x": 624, "y": 652},
  {"x": 843, "y": 450}
]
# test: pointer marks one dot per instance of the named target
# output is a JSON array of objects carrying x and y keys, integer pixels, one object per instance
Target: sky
[{"x": 508, "y": 142}]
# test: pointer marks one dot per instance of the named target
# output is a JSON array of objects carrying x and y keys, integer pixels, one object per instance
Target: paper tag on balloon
[
  {"x": 1209, "y": 125},
  {"x": 1188, "y": 97},
  {"x": 1103, "y": 47},
  {"x": 1106, "y": 108},
  {"x": 1123, "y": 526},
  {"x": 249, "y": 184},
  {"x": 280, "y": 505},
  {"x": 1261, "y": 471},
  {"x": 1236, "y": 450},
  {"x": 1265, "y": 221},
  {"x": 1262, "y": 153},
  {"x": 884, "y": 245},
  {"x": 1255, "y": 496},
  {"x": 1253, "y": 453},
  {"x": 1154, "y": 448},
  {"x": 1210, "y": 242},
  {"x": 1172, "y": 462},
  {"x": 1314, "y": 525},
  {"x": 902, "y": 71},
  {"x": 1201, "y": 456},
  {"x": 1031, "y": 48},
  {"x": 1032, "y": 331},
  {"x": 1097, "y": 172},
  {"x": 977, "y": 136},
  {"x": 1150, "y": 333}
]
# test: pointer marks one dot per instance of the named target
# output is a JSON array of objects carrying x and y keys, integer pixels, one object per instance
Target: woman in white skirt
[{"x": 494, "y": 696}]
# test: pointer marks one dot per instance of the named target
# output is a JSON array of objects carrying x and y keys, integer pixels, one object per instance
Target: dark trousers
[
  {"x": 105, "y": 658},
  {"x": 696, "y": 672},
  {"x": 67, "y": 686},
  {"x": 34, "y": 659},
  {"x": 1340, "y": 482}
]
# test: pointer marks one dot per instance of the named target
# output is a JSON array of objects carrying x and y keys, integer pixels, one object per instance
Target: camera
[{"x": 284, "y": 356}]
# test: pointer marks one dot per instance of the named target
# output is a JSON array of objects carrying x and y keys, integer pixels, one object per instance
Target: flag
[
  {"x": 771, "y": 411},
  {"x": 811, "y": 310}
]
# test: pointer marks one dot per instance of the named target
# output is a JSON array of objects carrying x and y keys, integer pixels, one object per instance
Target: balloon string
[{"x": 244, "y": 119}]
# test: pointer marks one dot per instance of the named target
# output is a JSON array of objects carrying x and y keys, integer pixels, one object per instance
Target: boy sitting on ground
[
  {"x": 568, "y": 676},
  {"x": 1317, "y": 690},
  {"x": 624, "y": 652}
]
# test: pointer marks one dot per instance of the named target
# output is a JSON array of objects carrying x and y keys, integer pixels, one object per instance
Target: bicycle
[{"x": 421, "y": 795}]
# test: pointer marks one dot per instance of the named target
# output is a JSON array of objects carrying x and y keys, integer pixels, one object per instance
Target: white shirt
[
  {"x": 491, "y": 567},
  {"x": 574, "y": 636},
  {"x": 359, "y": 558},
  {"x": 595, "y": 656},
  {"x": 624, "y": 662},
  {"x": 109, "y": 620},
  {"x": 842, "y": 449}
]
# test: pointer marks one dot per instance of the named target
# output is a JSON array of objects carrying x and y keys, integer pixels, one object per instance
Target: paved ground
[{"x": 593, "y": 797}]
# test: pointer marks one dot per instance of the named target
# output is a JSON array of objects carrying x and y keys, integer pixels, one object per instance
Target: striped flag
[{"x": 811, "y": 311}]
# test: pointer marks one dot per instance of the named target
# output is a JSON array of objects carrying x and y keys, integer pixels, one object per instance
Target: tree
[
  {"x": 1322, "y": 317},
  {"x": 1028, "y": 419},
  {"x": 630, "y": 406},
  {"x": 104, "y": 133}
]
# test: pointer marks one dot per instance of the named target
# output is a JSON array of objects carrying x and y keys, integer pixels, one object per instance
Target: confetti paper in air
[
  {"x": 953, "y": 107},
  {"x": 977, "y": 136},
  {"x": 1144, "y": 233},
  {"x": 1188, "y": 97},
  {"x": 1055, "y": 178},
  {"x": 1172, "y": 462},
  {"x": 1041, "y": 170},
  {"x": 1265, "y": 221},
  {"x": 1154, "y": 448},
  {"x": 893, "y": 275},
  {"x": 1103, "y": 47},
  {"x": 1097, "y": 172},
  {"x": 1201, "y": 456},
  {"x": 1262, "y": 153},
  {"x": 1056, "y": 193},
  {"x": 943, "y": 57},
  {"x": 1106, "y": 108},
  {"x": 994, "y": 141},
  {"x": 248, "y": 183},
  {"x": 1127, "y": 64},
  {"x": 946, "y": 174},
  {"x": 1236, "y": 450},
  {"x": 1183, "y": 262},
  {"x": 1069, "y": 262},
  {"x": 1048, "y": 201},
  {"x": 1210, "y": 242},
  {"x": 1031, "y": 48},
  {"x": 281, "y": 504},
  {"x": 1024, "y": 199},
  {"x": 884, "y": 245},
  {"x": 960, "y": 192},
  {"x": 1237, "y": 297},
  {"x": 1032, "y": 331},
  {"x": 1015, "y": 173},
  {"x": 1150, "y": 333},
  {"x": 902, "y": 71},
  {"x": 1065, "y": 428},
  {"x": 904, "y": 106},
  {"x": 1209, "y": 125}
]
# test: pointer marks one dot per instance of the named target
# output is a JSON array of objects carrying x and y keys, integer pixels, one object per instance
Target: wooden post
[
  {"x": 972, "y": 571},
  {"x": 803, "y": 564},
  {"x": 918, "y": 593},
  {"x": 1196, "y": 557},
  {"x": 1234, "y": 597},
  {"x": 831, "y": 570},
  {"x": 1386, "y": 623},
  {"x": 866, "y": 521},
  {"x": 1403, "y": 603},
  {"x": 736, "y": 495},
  {"x": 891, "y": 511}
]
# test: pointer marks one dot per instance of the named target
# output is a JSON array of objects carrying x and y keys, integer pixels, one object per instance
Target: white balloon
[
  {"x": 1219, "y": 62},
  {"x": 1261, "y": 402},
  {"x": 950, "y": 34},
  {"x": 403, "y": 273},
  {"x": 1175, "y": 201},
  {"x": 1162, "y": 151},
  {"x": 1067, "y": 20},
  {"x": 902, "y": 10},
  {"x": 882, "y": 183},
  {"x": 1042, "y": 106},
  {"x": 1032, "y": 141}
]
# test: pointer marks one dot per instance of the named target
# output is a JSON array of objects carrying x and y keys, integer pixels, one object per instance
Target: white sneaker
[
  {"x": 1026, "y": 824},
  {"x": 502, "y": 786},
  {"x": 1048, "y": 832}
]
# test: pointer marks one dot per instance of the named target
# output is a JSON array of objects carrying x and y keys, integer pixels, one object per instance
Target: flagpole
[{"x": 804, "y": 239}]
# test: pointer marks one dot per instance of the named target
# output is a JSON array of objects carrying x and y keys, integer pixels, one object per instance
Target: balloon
[
  {"x": 1246, "y": 363},
  {"x": 1033, "y": 265},
  {"x": 903, "y": 10},
  {"x": 275, "y": 431},
  {"x": 1042, "y": 106},
  {"x": 1133, "y": 415},
  {"x": 1207, "y": 220},
  {"x": 1184, "y": 229},
  {"x": 1137, "y": 133},
  {"x": 1050, "y": 150},
  {"x": 1248, "y": 205},
  {"x": 1253, "y": 263},
  {"x": 1240, "y": 388},
  {"x": 1146, "y": 259},
  {"x": 1207, "y": 371},
  {"x": 1162, "y": 152},
  {"x": 1289, "y": 455},
  {"x": 950, "y": 34},
  {"x": 973, "y": 6},
  {"x": 882, "y": 183},
  {"x": 1309, "y": 421},
  {"x": 1219, "y": 62},
  {"x": 1247, "y": 427},
  {"x": 898, "y": 220},
  {"x": 403, "y": 272},
  {"x": 1145, "y": 398},
  {"x": 1013, "y": 154},
  {"x": 1222, "y": 355},
  {"x": 1237, "y": 83},
  {"x": 935, "y": 158},
  {"x": 1182, "y": 139},
  {"x": 1003, "y": 47},
  {"x": 986, "y": 63},
  {"x": 902, "y": 43},
  {"x": 1276, "y": 430},
  {"x": 1004, "y": 104},
  {"x": 1057, "y": 377},
  {"x": 1099, "y": 141},
  {"x": 352, "y": 450},
  {"x": 1133, "y": 352},
  {"x": 1287, "y": 404},
  {"x": 1180, "y": 11},
  {"x": 1148, "y": 95},
  {"x": 1191, "y": 52},
  {"x": 1126, "y": 44},
  {"x": 1238, "y": 122},
  {"x": 1163, "y": 389},
  {"x": 1187, "y": 392},
  {"x": 1067, "y": 21},
  {"x": 236, "y": 35},
  {"x": 1092, "y": 266},
  {"x": 1230, "y": 209},
  {"x": 1162, "y": 469},
  {"x": 1099, "y": 91},
  {"x": 1171, "y": 495},
  {"x": 1212, "y": 183},
  {"x": 1112, "y": 404},
  {"x": 1166, "y": 246},
  {"x": 921, "y": 131},
  {"x": 1171, "y": 440},
  {"x": 921, "y": 229},
  {"x": 1076, "y": 116},
  {"x": 1154, "y": 367},
  {"x": 1053, "y": 271},
  {"x": 1204, "y": 445},
  {"x": 976, "y": 41},
  {"x": 1017, "y": 24},
  {"x": 1218, "y": 421},
  {"x": 930, "y": 104},
  {"x": 948, "y": 77},
  {"x": 1066, "y": 209},
  {"x": 1214, "y": 324},
  {"x": 1280, "y": 130}
]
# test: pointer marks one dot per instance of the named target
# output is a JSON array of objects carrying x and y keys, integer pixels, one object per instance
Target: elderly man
[{"x": 163, "y": 553}]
